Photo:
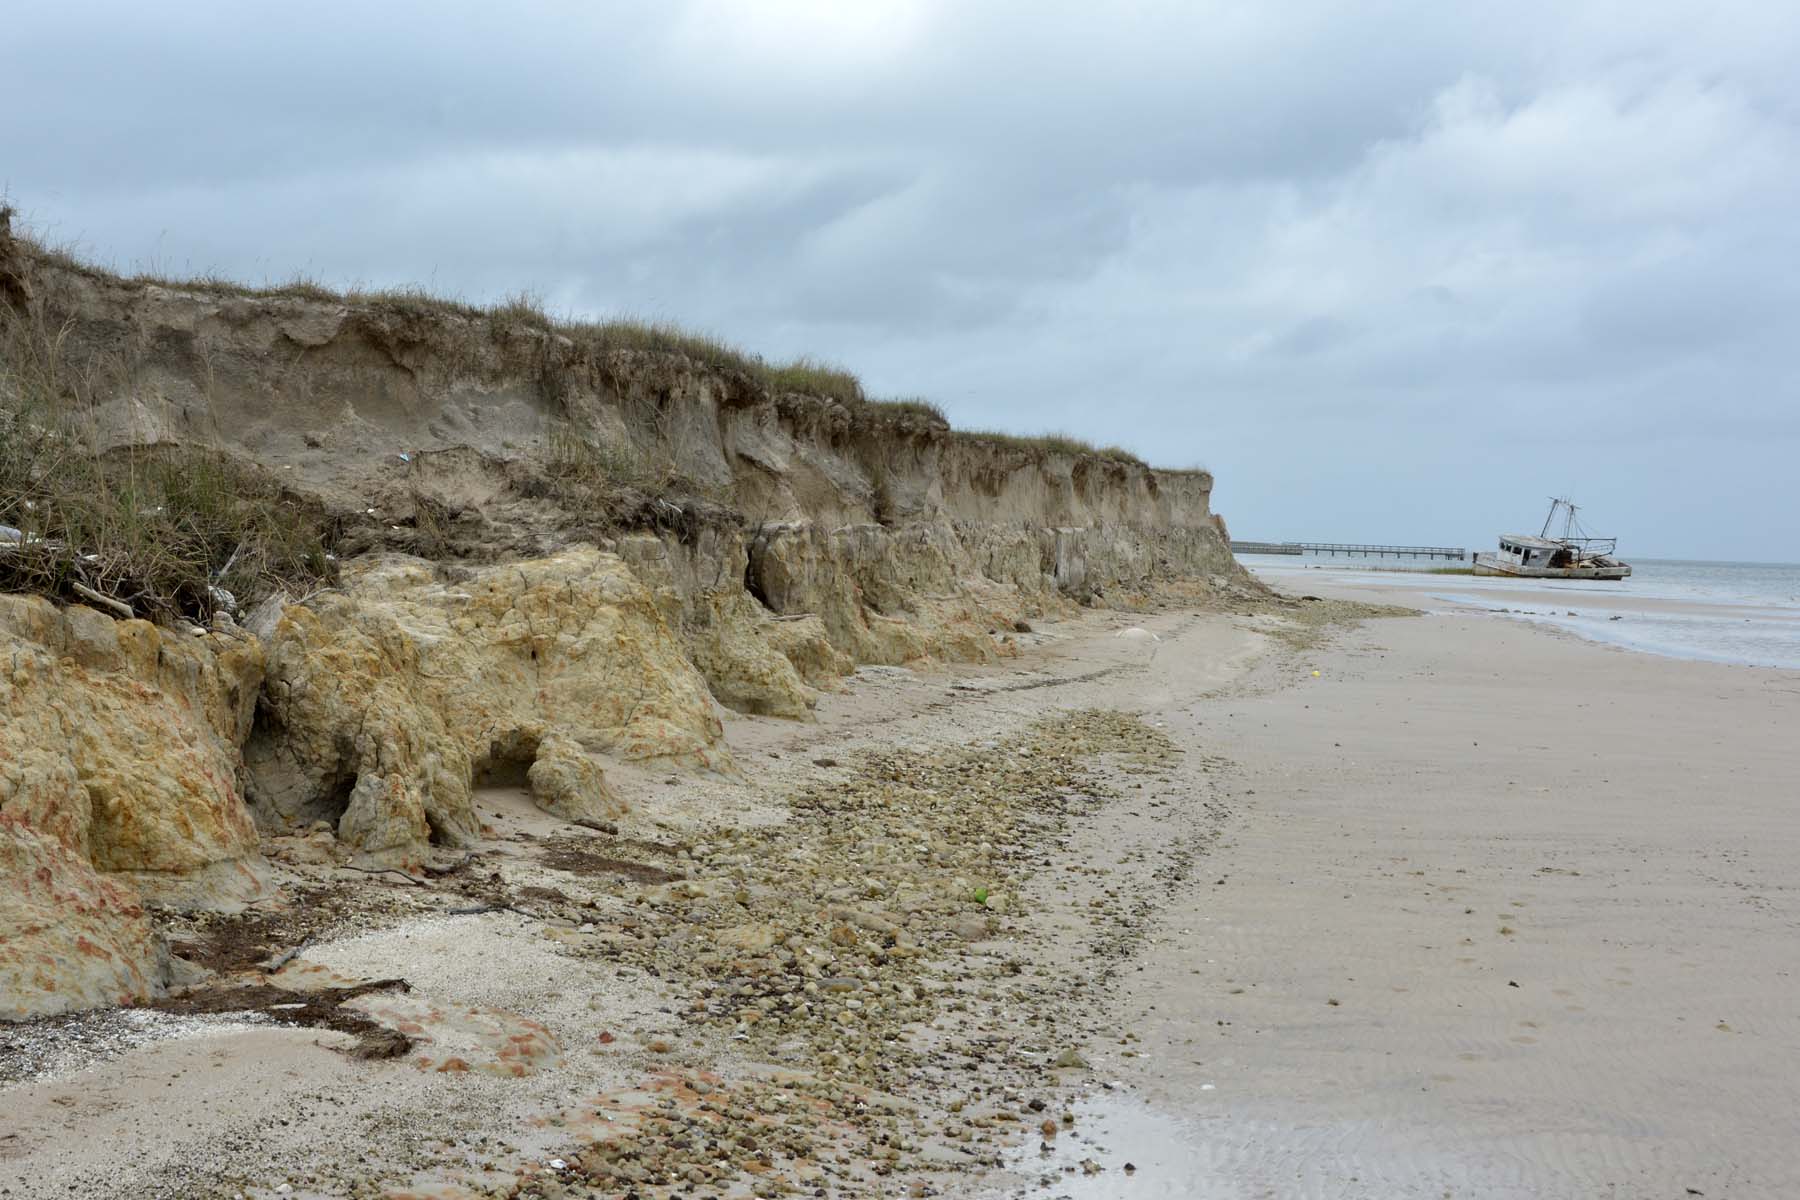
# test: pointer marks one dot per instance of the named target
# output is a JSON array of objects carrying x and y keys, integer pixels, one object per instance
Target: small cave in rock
[
  {"x": 753, "y": 585},
  {"x": 284, "y": 794},
  {"x": 509, "y": 757},
  {"x": 336, "y": 799}
]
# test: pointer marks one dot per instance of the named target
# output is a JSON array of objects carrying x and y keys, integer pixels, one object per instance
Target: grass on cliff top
[
  {"x": 1049, "y": 443},
  {"x": 163, "y": 531},
  {"x": 804, "y": 375},
  {"x": 909, "y": 406}
]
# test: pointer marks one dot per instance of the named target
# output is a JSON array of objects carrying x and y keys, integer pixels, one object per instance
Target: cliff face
[
  {"x": 335, "y": 391},
  {"x": 555, "y": 545}
]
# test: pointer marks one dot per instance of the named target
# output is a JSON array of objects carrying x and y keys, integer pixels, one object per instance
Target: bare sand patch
[{"x": 1500, "y": 913}]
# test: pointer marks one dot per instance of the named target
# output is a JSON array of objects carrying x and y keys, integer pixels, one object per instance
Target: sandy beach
[
  {"x": 1502, "y": 913},
  {"x": 1478, "y": 909}
]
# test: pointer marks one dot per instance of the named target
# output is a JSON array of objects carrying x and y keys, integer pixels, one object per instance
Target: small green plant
[
  {"x": 979, "y": 895},
  {"x": 909, "y": 406}
]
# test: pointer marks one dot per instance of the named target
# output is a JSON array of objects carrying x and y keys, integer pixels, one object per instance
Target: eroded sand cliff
[{"x": 551, "y": 550}]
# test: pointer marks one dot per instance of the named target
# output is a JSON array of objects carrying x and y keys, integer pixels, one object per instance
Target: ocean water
[{"x": 1729, "y": 612}]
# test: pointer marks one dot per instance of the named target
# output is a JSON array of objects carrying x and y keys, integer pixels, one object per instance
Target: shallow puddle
[{"x": 1119, "y": 1146}]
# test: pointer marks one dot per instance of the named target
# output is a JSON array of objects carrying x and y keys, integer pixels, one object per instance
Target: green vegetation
[
  {"x": 814, "y": 378},
  {"x": 804, "y": 375},
  {"x": 521, "y": 308},
  {"x": 616, "y": 487},
  {"x": 909, "y": 406},
  {"x": 162, "y": 531},
  {"x": 1049, "y": 443}
]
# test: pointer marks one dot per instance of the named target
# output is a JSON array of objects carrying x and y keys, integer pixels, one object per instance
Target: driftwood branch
[
  {"x": 88, "y": 593},
  {"x": 453, "y": 868},
  {"x": 477, "y": 909},
  {"x": 412, "y": 879},
  {"x": 289, "y": 956}
]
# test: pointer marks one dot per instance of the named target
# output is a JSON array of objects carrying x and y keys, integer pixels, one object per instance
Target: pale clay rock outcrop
[
  {"x": 384, "y": 702},
  {"x": 118, "y": 782},
  {"x": 727, "y": 643},
  {"x": 567, "y": 782},
  {"x": 699, "y": 588},
  {"x": 122, "y": 743},
  {"x": 802, "y": 640}
]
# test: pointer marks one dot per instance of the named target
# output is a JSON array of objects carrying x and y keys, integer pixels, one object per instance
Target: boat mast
[{"x": 1557, "y": 502}]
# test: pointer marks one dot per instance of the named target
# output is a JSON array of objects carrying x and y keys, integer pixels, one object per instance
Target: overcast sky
[{"x": 1394, "y": 272}]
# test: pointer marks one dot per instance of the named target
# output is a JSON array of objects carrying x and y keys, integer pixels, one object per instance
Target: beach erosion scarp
[
  {"x": 393, "y": 698},
  {"x": 486, "y": 547}
]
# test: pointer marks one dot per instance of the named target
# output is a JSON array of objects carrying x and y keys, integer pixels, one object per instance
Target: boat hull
[{"x": 1486, "y": 564}]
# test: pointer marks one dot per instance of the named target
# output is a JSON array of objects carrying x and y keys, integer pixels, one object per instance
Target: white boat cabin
[
  {"x": 1545, "y": 557},
  {"x": 1529, "y": 551}
]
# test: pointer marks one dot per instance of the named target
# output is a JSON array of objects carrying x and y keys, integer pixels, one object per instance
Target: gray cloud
[{"x": 1359, "y": 258}]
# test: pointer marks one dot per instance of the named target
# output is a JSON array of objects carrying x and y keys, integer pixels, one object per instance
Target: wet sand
[
  {"x": 1502, "y": 913},
  {"x": 1725, "y": 620}
]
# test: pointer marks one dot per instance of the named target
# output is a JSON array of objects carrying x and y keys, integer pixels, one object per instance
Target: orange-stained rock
[
  {"x": 456, "y": 1038},
  {"x": 70, "y": 937}
]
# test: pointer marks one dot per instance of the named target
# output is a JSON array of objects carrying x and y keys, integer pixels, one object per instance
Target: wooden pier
[{"x": 1349, "y": 549}]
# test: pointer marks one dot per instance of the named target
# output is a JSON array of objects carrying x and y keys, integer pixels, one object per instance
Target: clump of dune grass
[
  {"x": 806, "y": 375},
  {"x": 583, "y": 471},
  {"x": 1049, "y": 443},
  {"x": 811, "y": 377},
  {"x": 163, "y": 532},
  {"x": 522, "y": 308},
  {"x": 660, "y": 337},
  {"x": 609, "y": 486},
  {"x": 908, "y": 406}
]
